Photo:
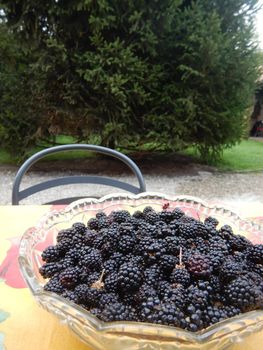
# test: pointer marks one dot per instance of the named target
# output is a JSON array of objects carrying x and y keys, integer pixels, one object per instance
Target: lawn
[{"x": 246, "y": 156}]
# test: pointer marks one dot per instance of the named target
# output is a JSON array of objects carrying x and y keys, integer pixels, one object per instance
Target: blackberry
[
  {"x": 64, "y": 245},
  {"x": 50, "y": 269},
  {"x": 227, "y": 230},
  {"x": 226, "y": 233},
  {"x": 177, "y": 213},
  {"x": 215, "y": 283},
  {"x": 180, "y": 276},
  {"x": 198, "y": 243},
  {"x": 111, "y": 282},
  {"x": 239, "y": 257},
  {"x": 175, "y": 295},
  {"x": 216, "y": 243},
  {"x": 244, "y": 294},
  {"x": 125, "y": 228},
  {"x": 257, "y": 268},
  {"x": 78, "y": 233},
  {"x": 93, "y": 224},
  {"x": 93, "y": 260},
  {"x": 93, "y": 296},
  {"x": 126, "y": 244},
  {"x": 120, "y": 216},
  {"x": 240, "y": 243},
  {"x": 210, "y": 220},
  {"x": 138, "y": 214},
  {"x": 152, "y": 217},
  {"x": 101, "y": 215},
  {"x": 193, "y": 320},
  {"x": 154, "y": 251},
  {"x": 89, "y": 278},
  {"x": 173, "y": 244},
  {"x": 90, "y": 237},
  {"x": 117, "y": 312},
  {"x": 146, "y": 230},
  {"x": 169, "y": 314},
  {"x": 73, "y": 254},
  {"x": 130, "y": 277},
  {"x": 123, "y": 267},
  {"x": 67, "y": 262},
  {"x": 102, "y": 224},
  {"x": 211, "y": 230},
  {"x": 145, "y": 291},
  {"x": 231, "y": 311},
  {"x": 255, "y": 254},
  {"x": 51, "y": 254},
  {"x": 187, "y": 230},
  {"x": 134, "y": 222},
  {"x": 202, "y": 230},
  {"x": 64, "y": 234},
  {"x": 216, "y": 258},
  {"x": 108, "y": 298},
  {"x": 231, "y": 270},
  {"x": 152, "y": 276},
  {"x": 149, "y": 308},
  {"x": 135, "y": 259},
  {"x": 78, "y": 228},
  {"x": 95, "y": 311},
  {"x": 213, "y": 314},
  {"x": 110, "y": 266},
  {"x": 174, "y": 226},
  {"x": 167, "y": 216},
  {"x": 167, "y": 263},
  {"x": 207, "y": 288},
  {"x": 80, "y": 291},
  {"x": 144, "y": 245},
  {"x": 187, "y": 220},
  {"x": 163, "y": 230},
  {"x": 105, "y": 246},
  {"x": 147, "y": 209},
  {"x": 69, "y": 277},
  {"x": 199, "y": 266},
  {"x": 119, "y": 258},
  {"x": 197, "y": 297},
  {"x": 162, "y": 288},
  {"x": 112, "y": 236},
  {"x": 128, "y": 299},
  {"x": 54, "y": 285},
  {"x": 70, "y": 295}
]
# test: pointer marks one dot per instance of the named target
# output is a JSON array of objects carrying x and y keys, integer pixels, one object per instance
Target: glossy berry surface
[{"x": 165, "y": 268}]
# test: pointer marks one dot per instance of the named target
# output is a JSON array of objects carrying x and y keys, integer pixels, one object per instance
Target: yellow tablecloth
[{"x": 23, "y": 324}]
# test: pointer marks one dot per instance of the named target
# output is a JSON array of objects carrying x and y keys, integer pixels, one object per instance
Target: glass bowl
[{"x": 241, "y": 332}]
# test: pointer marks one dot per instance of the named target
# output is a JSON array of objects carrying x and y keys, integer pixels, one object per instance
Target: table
[{"x": 23, "y": 324}]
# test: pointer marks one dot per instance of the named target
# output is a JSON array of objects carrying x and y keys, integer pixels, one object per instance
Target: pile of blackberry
[{"x": 159, "y": 267}]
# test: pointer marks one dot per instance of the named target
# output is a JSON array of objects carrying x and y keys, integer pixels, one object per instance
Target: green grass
[
  {"x": 246, "y": 156},
  {"x": 7, "y": 158}
]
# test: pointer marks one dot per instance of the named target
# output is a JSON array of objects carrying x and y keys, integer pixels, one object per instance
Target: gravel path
[{"x": 193, "y": 179}]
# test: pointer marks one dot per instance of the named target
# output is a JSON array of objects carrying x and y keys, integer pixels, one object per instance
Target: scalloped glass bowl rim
[{"x": 100, "y": 326}]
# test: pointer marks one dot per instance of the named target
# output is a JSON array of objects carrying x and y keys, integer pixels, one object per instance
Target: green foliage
[{"x": 122, "y": 73}]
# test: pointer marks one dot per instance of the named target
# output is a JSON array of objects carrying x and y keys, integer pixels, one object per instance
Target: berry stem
[
  {"x": 181, "y": 265},
  {"x": 99, "y": 284},
  {"x": 180, "y": 256}
]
